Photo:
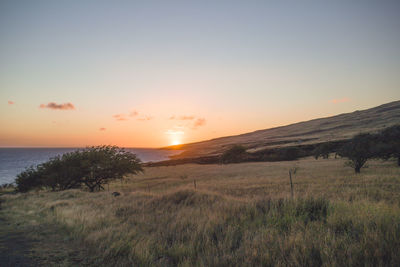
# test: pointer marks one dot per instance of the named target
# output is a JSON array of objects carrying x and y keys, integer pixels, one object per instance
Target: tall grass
[{"x": 239, "y": 215}]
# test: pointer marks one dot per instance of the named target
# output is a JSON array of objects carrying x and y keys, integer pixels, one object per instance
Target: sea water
[{"x": 15, "y": 160}]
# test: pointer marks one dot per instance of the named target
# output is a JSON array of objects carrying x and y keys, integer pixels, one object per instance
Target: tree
[
  {"x": 29, "y": 179},
  {"x": 358, "y": 150},
  {"x": 105, "y": 163},
  {"x": 235, "y": 154},
  {"x": 389, "y": 143},
  {"x": 61, "y": 172},
  {"x": 92, "y": 167}
]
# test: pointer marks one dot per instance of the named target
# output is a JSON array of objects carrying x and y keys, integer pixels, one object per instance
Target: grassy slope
[
  {"x": 239, "y": 214},
  {"x": 333, "y": 128}
]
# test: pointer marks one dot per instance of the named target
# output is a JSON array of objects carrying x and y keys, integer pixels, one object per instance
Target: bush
[
  {"x": 235, "y": 154},
  {"x": 30, "y": 178},
  {"x": 323, "y": 150},
  {"x": 280, "y": 154},
  {"x": 389, "y": 143},
  {"x": 290, "y": 153},
  {"x": 358, "y": 150},
  {"x": 92, "y": 167}
]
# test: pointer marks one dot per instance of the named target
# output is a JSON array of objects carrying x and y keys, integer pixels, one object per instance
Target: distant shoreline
[{"x": 15, "y": 160}]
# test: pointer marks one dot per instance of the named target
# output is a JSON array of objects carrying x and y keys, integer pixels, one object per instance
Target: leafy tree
[
  {"x": 105, "y": 163},
  {"x": 389, "y": 143},
  {"x": 235, "y": 154},
  {"x": 92, "y": 167},
  {"x": 358, "y": 150},
  {"x": 63, "y": 172},
  {"x": 30, "y": 178}
]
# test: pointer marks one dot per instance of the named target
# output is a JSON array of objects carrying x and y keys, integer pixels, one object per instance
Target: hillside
[{"x": 333, "y": 128}]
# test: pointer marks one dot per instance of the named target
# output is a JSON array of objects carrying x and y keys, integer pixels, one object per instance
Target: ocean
[{"x": 15, "y": 160}]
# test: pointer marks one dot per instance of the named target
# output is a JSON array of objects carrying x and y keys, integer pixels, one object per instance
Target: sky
[{"x": 155, "y": 73}]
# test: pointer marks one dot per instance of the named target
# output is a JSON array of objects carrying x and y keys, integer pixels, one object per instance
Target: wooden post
[
  {"x": 194, "y": 183},
  {"x": 291, "y": 183},
  {"x": 148, "y": 188}
]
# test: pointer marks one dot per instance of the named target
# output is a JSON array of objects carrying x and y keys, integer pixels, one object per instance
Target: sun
[
  {"x": 175, "y": 142},
  {"x": 175, "y": 136}
]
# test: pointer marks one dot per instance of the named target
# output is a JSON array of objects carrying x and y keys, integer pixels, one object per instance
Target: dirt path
[
  {"x": 24, "y": 244},
  {"x": 14, "y": 247}
]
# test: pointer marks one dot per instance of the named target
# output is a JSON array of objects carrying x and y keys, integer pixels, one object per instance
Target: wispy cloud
[
  {"x": 55, "y": 106},
  {"x": 133, "y": 113},
  {"x": 182, "y": 118},
  {"x": 192, "y": 122},
  {"x": 186, "y": 118},
  {"x": 145, "y": 118},
  {"x": 11, "y": 102},
  {"x": 340, "y": 100},
  {"x": 199, "y": 122},
  {"x": 120, "y": 117},
  {"x": 102, "y": 129}
]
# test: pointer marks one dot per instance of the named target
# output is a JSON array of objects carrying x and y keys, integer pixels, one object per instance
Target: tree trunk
[
  {"x": 91, "y": 187},
  {"x": 291, "y": 184},
  {"x": 357, "y": 169}
]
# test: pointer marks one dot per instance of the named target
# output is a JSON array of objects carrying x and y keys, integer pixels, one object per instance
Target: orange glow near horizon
[
  {"x": 153, "y": 75},
  {"x": 26, "y": 125},
  {"x": 175, "y": 142},
  {"x": 175, "y": 137}
]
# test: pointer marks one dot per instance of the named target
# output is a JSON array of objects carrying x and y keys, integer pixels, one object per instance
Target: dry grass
[{"x": 238, "y": 215}]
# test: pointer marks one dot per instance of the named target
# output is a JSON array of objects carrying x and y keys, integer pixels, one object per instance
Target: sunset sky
[{"x": 155, "y": 73}]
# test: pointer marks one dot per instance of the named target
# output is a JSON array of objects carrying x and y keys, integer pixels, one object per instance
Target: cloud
[
  {"x": 134, "y": 113},
  {"x": 11, "y": 102},
  {"x": 192, "y": 121},
  {"x": 341, "y": 100},
  {"x": 102, "y": 129},
  {"x": 54, "y": 106},
  {"x": 145, "y": 118},
  {"x": 182, "y": 118},
  {"x": 199, "y": 122},
  {"x": 120, "y": 117},
  {"x": 186, "y": 118}
]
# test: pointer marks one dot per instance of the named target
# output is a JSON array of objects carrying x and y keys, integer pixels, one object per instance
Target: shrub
[
  {"x": 358, "y": 150},
  {"x": 389, "y": 143},
  {"x": 30, "y": 178},
  {"x": 290, "y": 153},
  {"x": 235, "y": 154},
  {"x": 280, "y": 154},
  {"x": 323, "y": 150},
  {"x": 92, "y": 167}
]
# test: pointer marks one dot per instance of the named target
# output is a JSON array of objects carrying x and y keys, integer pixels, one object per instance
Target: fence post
[{"x": 291, "y": 183}]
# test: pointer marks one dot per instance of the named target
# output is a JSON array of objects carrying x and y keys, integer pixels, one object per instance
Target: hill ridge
[{"x": 332, "y": 128}]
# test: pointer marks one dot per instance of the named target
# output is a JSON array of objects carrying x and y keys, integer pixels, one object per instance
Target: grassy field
[{"x": 223, "y": 215}]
